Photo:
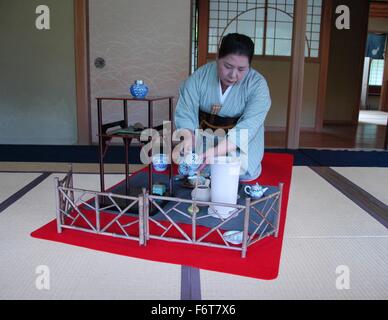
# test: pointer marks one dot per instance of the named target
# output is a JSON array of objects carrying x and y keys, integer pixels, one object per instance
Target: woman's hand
[
  {"x": 220, "y": 150},
  {"x": 203, "y": 161},
  {"x": 184, "y": 147},
  {"x": 207, "y": 158}
]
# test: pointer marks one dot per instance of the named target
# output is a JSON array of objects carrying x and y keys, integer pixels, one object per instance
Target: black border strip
[
  {"x": 377, "y": 209},
  {"x": 16, "y": 196},
  {"x": 115, "y": 154},
  {"x": 190, "y": 283}
]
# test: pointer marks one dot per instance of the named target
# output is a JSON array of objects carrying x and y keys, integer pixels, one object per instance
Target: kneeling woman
[{"x": 228, "y": 94}]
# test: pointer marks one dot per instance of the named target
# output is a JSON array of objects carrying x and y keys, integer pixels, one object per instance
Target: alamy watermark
[
  {"x": 42, "y": 281},
  {"x": 343, "y": 280},
  {"x": 342, "y": 22},
  {"x": 200, "y": 142},
  {"x": 42, "y": 22}
]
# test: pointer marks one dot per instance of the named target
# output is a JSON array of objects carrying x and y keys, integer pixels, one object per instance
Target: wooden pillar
[
  {"x": 386, "y": 137},
  {"x": 324, "y": 62},
  {"x": 295, "y": 96},
  {"x": 81, "y": 42},
  {"x": 203, "y": 30}
]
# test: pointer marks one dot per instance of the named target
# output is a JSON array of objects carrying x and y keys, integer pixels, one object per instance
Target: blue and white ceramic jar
[
  {"x": 189, "y": 165},
  {"x": 139, "y": 90},
  {"x": 160, "y": 162}
]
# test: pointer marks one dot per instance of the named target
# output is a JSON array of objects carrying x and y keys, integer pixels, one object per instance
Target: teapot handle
[{"x": 248, "y": 188}]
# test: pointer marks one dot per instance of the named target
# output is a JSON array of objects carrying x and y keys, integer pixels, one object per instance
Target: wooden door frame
[
  {"x": 295, "y": 90},
  {"x": 203, "y": 29},
  {"x": 82, "y": 67},
  {"x": 379, "y": 10},
  {"x": 363, "y": 40},
  {"x": 383, "y": 104},
  {"x": 324, "y": 54}
]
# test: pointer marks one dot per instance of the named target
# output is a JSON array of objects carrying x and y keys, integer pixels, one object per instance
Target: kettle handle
[{"x": 248, "y": 188}]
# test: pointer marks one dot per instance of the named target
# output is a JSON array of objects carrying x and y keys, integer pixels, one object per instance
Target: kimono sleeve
[
  {"x": 253, "y": 117},
  {"x": 187, "y": 109}
]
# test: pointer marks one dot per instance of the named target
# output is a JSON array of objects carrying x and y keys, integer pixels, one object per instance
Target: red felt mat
[{"x": 263, "y": 258}]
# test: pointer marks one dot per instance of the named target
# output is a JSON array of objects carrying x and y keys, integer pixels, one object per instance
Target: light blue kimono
[{"x": 248, "y": 99}]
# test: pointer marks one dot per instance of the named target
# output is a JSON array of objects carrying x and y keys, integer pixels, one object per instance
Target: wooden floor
[{"x": 363, "y": 136}]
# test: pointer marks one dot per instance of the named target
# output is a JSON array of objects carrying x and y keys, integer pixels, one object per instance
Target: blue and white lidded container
[{"x": 139, "y": 89}]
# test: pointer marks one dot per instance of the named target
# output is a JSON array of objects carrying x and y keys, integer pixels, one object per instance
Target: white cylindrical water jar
[{"x": 225, "y": 173}]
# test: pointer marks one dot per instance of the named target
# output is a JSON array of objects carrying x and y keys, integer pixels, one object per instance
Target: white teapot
[{"x": 201, "y": 193}]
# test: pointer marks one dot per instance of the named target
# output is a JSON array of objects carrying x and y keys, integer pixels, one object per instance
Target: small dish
[
  {"x": 213, "y": 213},
  {"x": 233, "y": 237},
  {"x": 219, "y": 215}
]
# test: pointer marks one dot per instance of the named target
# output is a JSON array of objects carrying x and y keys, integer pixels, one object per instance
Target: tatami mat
[
  {"x": 11, "y": 183},
  {"x": 75, "y": 273},
  {"x": 324, "y": 230},
  {"x": 372, "y": 180},
  {"x": 65, "y": 167},
  {"x": 317, "y": 209},
  {"x": 308, "y": 271}
]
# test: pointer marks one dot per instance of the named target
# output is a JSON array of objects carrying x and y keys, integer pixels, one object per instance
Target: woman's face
[{"x": 232, "y": 68}]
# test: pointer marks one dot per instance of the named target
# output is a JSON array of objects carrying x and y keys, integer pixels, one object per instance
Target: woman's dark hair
[{"x": 235, "y": 43}]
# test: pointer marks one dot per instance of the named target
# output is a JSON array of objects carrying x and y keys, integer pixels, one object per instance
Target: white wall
[
  {"x": 277, "y": 74},
  {"x": 37, "y": 74},
  {"x": 139, "y": 39}
]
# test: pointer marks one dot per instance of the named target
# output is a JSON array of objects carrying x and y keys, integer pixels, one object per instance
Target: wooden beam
[
  {"x": 213, "y": 56},
  {"x": 324, "y": 64},
  {"x": 295, "y": 95},
  {"x": 81, "y": 39},
  {"x": 203, "y": 31}
]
